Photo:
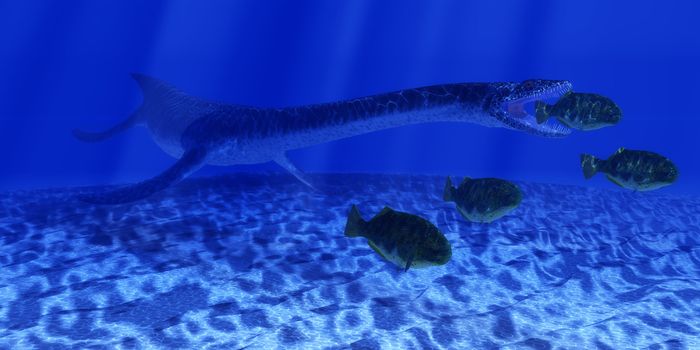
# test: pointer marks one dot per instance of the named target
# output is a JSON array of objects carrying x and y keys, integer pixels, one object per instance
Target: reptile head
[{"x": 513, "y": 103}]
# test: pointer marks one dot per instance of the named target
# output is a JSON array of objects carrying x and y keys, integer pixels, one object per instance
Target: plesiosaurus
[{"x": 199, "y": 132}]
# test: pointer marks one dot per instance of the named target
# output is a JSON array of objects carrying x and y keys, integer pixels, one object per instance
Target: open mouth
[{"x": 521, "y": 112}]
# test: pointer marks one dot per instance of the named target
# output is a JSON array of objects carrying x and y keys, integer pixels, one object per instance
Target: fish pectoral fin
[
  {"x": 612, "y": 179},
  {"x": 284, "y": 162},
  {"x": 566, "y": 123},
  {"x": 190, "y": 161},
  {"x": 409, "y": 262},
  {"x": 376, "y": 249}
]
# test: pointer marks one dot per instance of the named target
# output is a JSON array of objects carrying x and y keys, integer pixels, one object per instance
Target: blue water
[{"x": 247, "y": 257}]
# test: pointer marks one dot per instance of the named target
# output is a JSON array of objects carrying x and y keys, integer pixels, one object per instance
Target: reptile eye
[{"x": 528, "y": 84}]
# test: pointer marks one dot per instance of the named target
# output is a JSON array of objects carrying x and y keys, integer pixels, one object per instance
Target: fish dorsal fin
[
  {"x": 385, "y": 210},
  {"x": 465, "y": 180},
  {"x": 620, "y": 150},
  {"x": 447, "y": 192}
]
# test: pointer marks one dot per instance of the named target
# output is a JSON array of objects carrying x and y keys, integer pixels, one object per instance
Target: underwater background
[
  {"x": 247, "y": 257},
  {"x": 67, "y": 65}
]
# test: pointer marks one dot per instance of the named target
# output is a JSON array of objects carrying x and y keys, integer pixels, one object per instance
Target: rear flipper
[{"x": 191, "y": 160}]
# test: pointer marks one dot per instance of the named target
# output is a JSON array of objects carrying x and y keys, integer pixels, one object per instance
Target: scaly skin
[
  {"x": 486, "y": 199},
  {"x": 583, "y": 111},
  {"x": 200, "y": 132},
  {"x": 638, "y": 170},
  {"x": 403, "y": 237}
]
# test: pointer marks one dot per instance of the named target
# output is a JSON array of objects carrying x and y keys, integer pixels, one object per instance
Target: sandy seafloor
[{"x": 260, "y": 262}]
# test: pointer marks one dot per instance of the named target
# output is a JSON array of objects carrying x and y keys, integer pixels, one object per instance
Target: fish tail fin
[
  {"x": 541, "y": 112},
  {"x": 155, "y": 93},
  {"x": 355, "y": 224},
  {"x": 590, "y": 165},
  {"x": 447, "y": 193}
]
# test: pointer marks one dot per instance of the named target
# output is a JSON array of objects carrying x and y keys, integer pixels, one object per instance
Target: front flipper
[
  {"x": 284, "y": 162},
  {"x": 190, "y": 161}
]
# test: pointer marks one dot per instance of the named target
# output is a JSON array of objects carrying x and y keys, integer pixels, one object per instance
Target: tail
[
  {"x": 590, "y": 165},
  {"x": 447, "y": 193},
  {"x": 190, "y": 161},
  {"x": 541, "y": 113},
  {"x": 355, "y": 224},
  {"x": 87, "y": 136},
  {"x": 154, "y": 91}
]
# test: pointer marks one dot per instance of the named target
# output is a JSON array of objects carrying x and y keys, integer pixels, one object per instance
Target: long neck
[
  {"x": 297, "y": 127},
  {"x": 330, "y": 121}
]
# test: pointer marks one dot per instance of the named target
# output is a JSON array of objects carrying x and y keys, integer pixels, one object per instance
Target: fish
[
  {"x": 404, "y": 239},
  {"x": 199, "y": 132},
  {"x": 484, "y": 199},
  {"x": 631, "y": 169},
  {"x": 582, "y": 111}
]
